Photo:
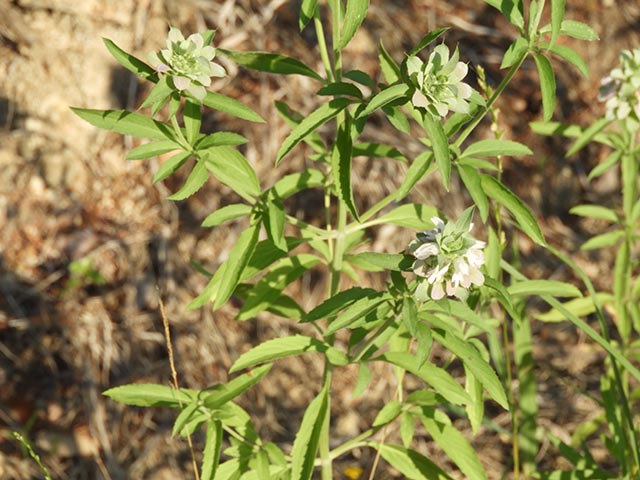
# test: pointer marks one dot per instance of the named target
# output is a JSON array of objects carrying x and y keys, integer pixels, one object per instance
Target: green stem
[
  {"x": 496, "y": 94},
  {"x": 326, "y": 471},
  {"x": 322, "y": 44},
  {"x": 181, "y": 138}
]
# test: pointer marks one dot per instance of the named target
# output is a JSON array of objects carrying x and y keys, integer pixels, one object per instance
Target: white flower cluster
[
  {"x": 621, "y": 89},
  {"x": 439, "y": 85},
  {"x": 448, "y": 258},
  {"x": 189, "y": 62}
]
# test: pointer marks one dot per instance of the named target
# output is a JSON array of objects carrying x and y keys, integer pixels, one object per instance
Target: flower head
[
  {"x": 188, "y": 62},
  {"x": 448, "y": 259},
  {"x": 438, "y": 83},
  {"x": 621, "y": 89}
]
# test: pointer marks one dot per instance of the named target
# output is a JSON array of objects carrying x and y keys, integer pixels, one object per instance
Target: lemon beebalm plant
[{"x": 446, "y": 292}]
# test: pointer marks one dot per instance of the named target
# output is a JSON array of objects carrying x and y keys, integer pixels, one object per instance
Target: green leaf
[
  {"x": 235, "y": 264},
  {"x": 397, "y": 118},
  {"x": 170, "y": 166},
  {"x": 211, "y": 452},
  {"x": 274, "y": 222},
  {"x": 194, "y": 182},
  {"x": 411, "y": 464},
  {"x": 456, "y": 446},
  {"x": 406, "y": 428},
  {"x": 544, "y": 287},
  {"x": 514, "y": 53},
  {"x": 314, "y": 120},
  {"x": 357, "y": 312},
  {"x": 474, "y": 361},
  {"x": 355, "y": 13},
  {"x": 394, "y": 93},
  {"x": 388, "y": 414},
  {"x": 389, "y": 67},
  {"x": 586, "y": 136},
  {"x": 411, "y": 215},
  {"x": 439, "y": 379},
  {"x": 192, "y": 120},
  {"x": 218, "y": 139},
  {"x": 364, "y": 379},
  {"x": 286, "y": 347},
  {"x": 231, "y": 168},
  {"x": 341, "y": 166},
  {"x": 150, "y": 395},
  {"x": 305, "y": 445},
  {"x": 226, "y": 213},
  {"x": 130, "y": 62},
  {"x": 159, "y": 95},
  {"x": 360, "y": 77},
  {"x": 307, "y": 11},
  {"x": 381, "y": 261},
  {"x": 475, "y": 409},
  {"x": 293, "y": 119},
  {"x": 269, "y": 288},
  {"x": 557, "y": 15},
  {"x": 225, "y": 104},
  {"x": 270, "y": 63},
  {"x": 420, "y": 167},
  {"x": 224, "y": 393},
  {"x": 265, "y": 254},
  {"x": 127, "y": 123},
  {"x": 610, "y": 162},
  {"x": 571, "y": 56},
  {"x": 493, "y": 148},
  {"x": 547, "y": 85},
  {"x": 603, "y": 240},
  {"x": 440, "y": 145},
  {"x": 471, "y": 180},
  {"x": 427, "y": 40},
  {"x": 184, "y": 417},
  {"x": 505, "y": 197},
  {"x": 295, "y": 182},
  {"x": 578, "y": 30},
  {"x": 339, "y": 301},
  {"x": 595, "y": 211},
  {"x": 580, "y": 307},
  {"x": 340, "y": 88},
  {"x": 152, "y": 149},
  {"x": 511, "y": 9},
  {"x": 377, "y": 150}
]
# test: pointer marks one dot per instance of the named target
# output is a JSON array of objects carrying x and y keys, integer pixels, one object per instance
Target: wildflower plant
[{"x": 448, "y": 292}]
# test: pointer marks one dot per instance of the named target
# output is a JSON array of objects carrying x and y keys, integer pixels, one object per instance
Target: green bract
[
  {"x": 438, "y": 83},
  {"x": 621, "y": 89},
  {"x": 448, "y": 258},
  {"x": 188, "y": 62}
]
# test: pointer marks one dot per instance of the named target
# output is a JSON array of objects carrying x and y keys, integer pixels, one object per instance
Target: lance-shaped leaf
[
  {"x": 421, "y": 166},
  {"x": 218, "y": 139},
  {"x": 270, "y": 287},
  {"x": 194, "y": 182},
  {"x": 192, "y": 120},
  {"x": 476, "y": 364},
  {"x": 339, "y": 301},
  {"x": 355, "y": 13},
  {"x": 127, "y": 123},
  {"x": 230, "y": 167},
  {"x": 130, "y": 62},
  {"x": 440, "y": 145},
  {"x": 410, "y": 215},
  {"x": 224, "y": 214},
  {"x": 427, "y": 40},
  {"x": 471, "y": 180},
  {"x": 455, "y": 445},
  {"x": 341, "y": 166},
  {"x": 170, "y": 166},
  {"x": 357, "y": 312},
  {"x": 150, "y": 395},
  {"x": 377, "y": 262},
  {"x": 399, "y": 92},
  {"x": 493, "y": 148},
  {"x": 295, "y": 182},
  {"x": 314, "y": 120},
  {"x": 557, "y": 16},
  {"x": 286, "y": 347},
  {"x": 221, "y": 102},
  {"x": 223, "y": 393},
  {"x": 152, "y": 149},
  {"x": 235, "y": 264},
  {"x": 439, "y": 379},
  {"x": 544, "y": 287},
  {"x": 571, "y": 56},
  {"x": 411, "y": 464},
  {"x": 305, "y": 445},
  {"x": 271, "y": 63},
  {"x": 547, "y": 85},
  {"x": 511, "y": 9},
  {"x": 307, "y": 11},
  {"x": 505, "y": 197},
  {"x": 211, "y": 452}
]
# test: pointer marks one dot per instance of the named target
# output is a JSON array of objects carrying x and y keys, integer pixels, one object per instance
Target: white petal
[
  {"x": 208, "y": 52},
  {"x": 426, "y": 250},
  {"x": 175, "y": 35},
  {"x": 197, "y": 91},
  {"x": 197, "y": 39},
  {"x": 419, "y": 100},
  {"x": 218, "y": 70},
  {"x": 437, "y": 292},
  {"x": 181, "y": 83}
]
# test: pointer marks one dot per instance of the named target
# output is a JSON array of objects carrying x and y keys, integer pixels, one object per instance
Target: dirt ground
[{"x": 67, "y": 194}]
